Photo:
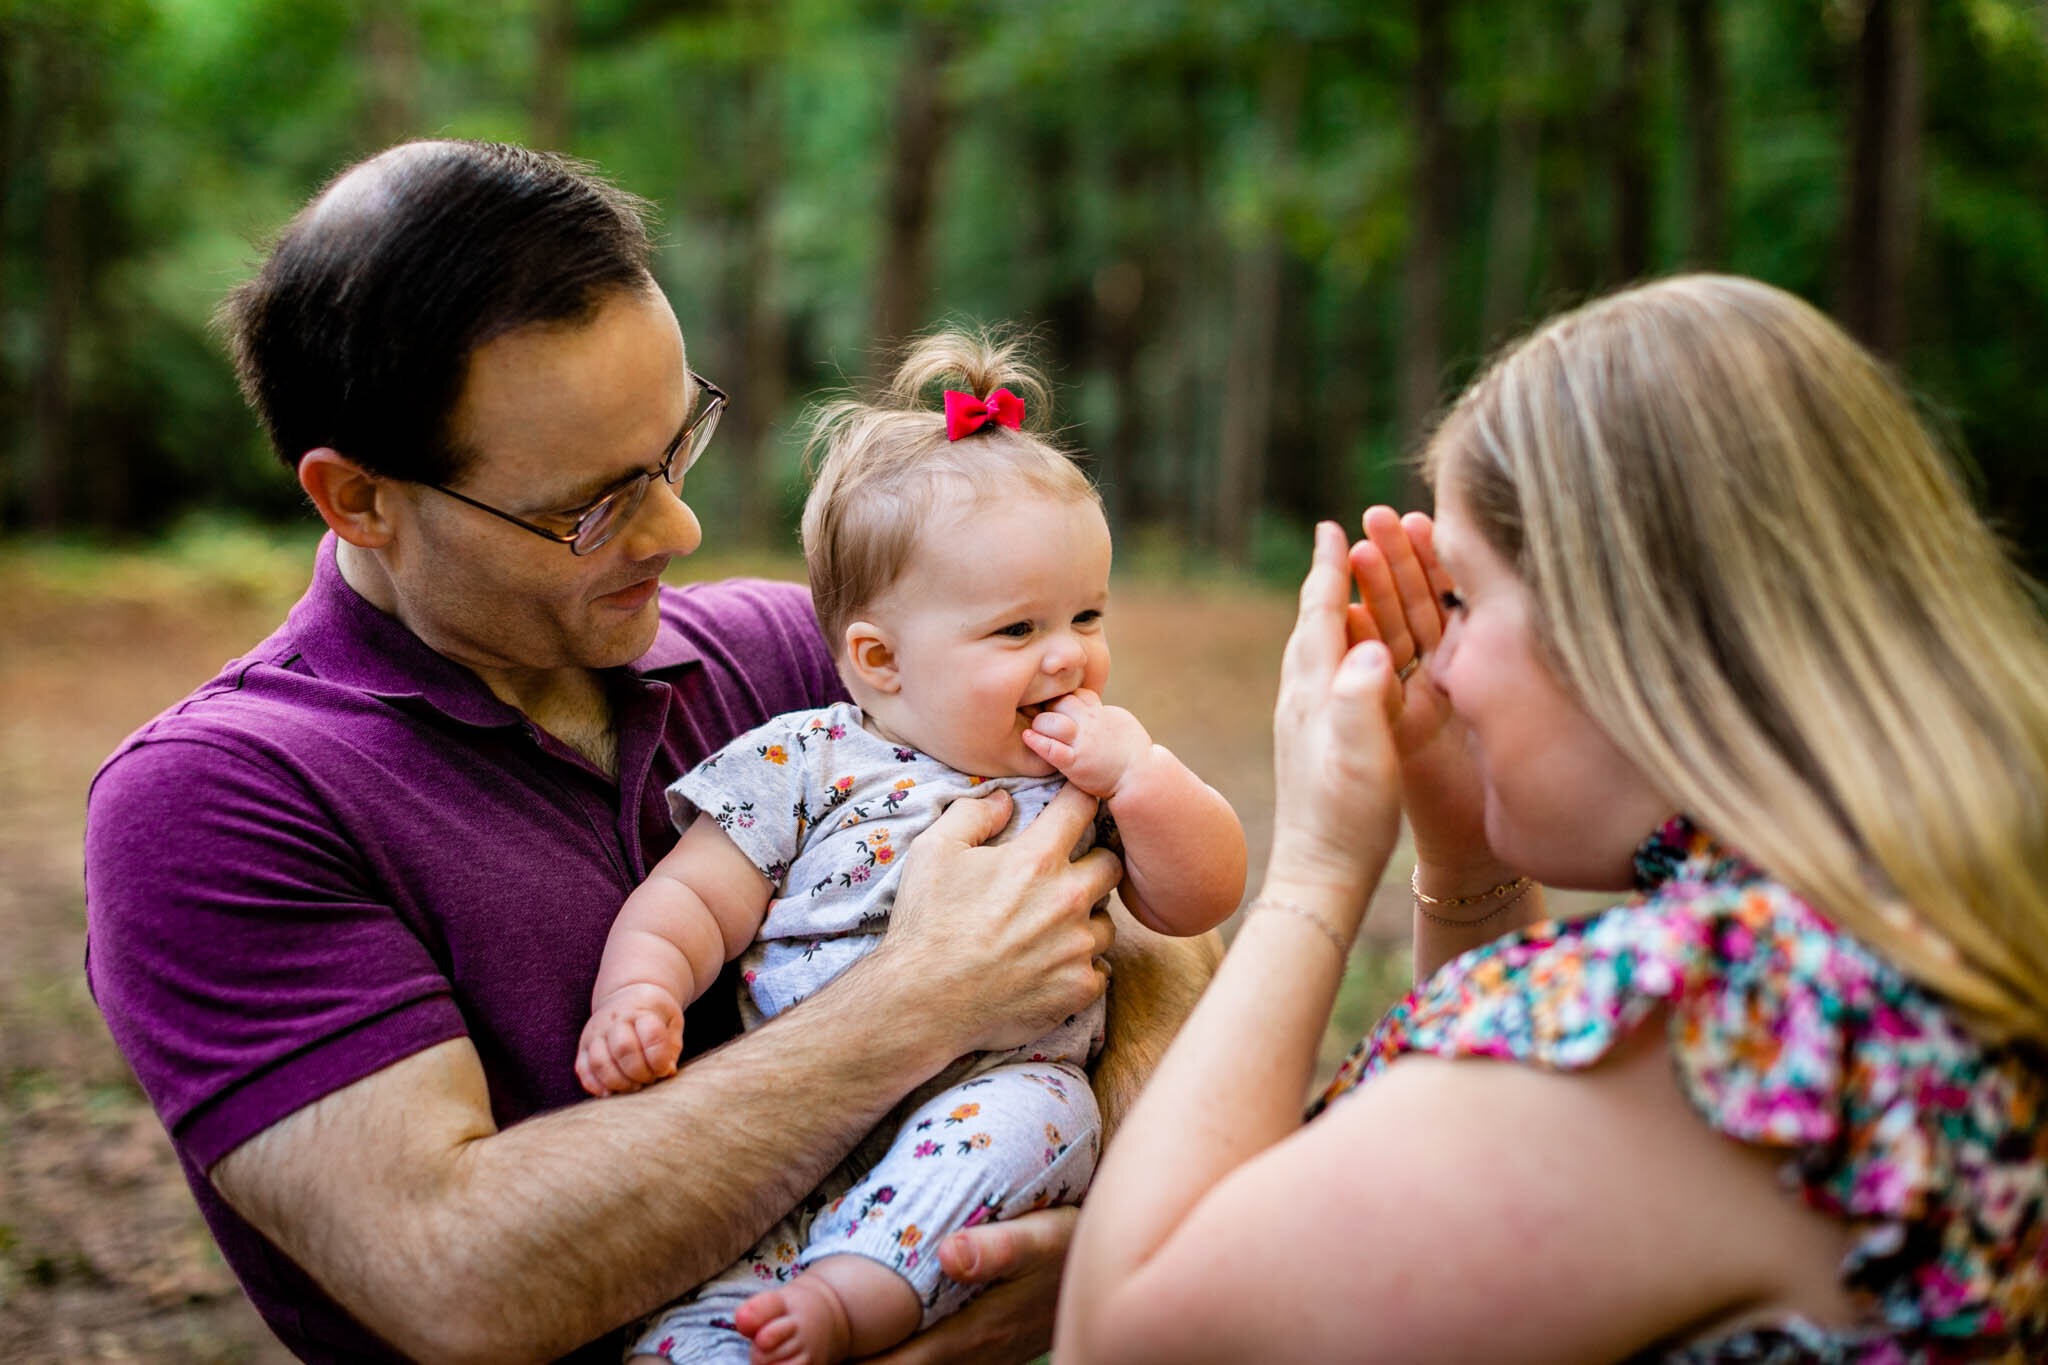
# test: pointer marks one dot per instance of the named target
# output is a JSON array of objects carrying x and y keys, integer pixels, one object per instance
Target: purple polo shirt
[{"x": 345, "y": 849}]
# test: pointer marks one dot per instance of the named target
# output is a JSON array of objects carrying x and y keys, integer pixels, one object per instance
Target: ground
[{"x": 102, "y": 1253}]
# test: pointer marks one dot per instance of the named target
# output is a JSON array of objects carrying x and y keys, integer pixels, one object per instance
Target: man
[{"x": 346, "y": 901}]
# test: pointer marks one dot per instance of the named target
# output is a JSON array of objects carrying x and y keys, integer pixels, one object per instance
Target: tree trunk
[
  {"x": 1706, "y": 120},
  {"x": 923, "y": 122},
  {"x": 1300, "y": 452},
  {"x": 63, "y": 283},
  {"x": 1884, "y": 176},
  {"x": 1055, "y": 299},
  {"x": 1511, "y": 229},
  {"x": 1627, "y": 126},
  {"x": 554, "y": 45},
  {"x": 1120, "y": 305},
  {"x": 1247, "y": 418},
  {"x": 1124, "y": 291},
  {"x": 11, "y": 41},
  {"x": 1191, "y": 356},
  {"x": 1434, "y": 197},
  {"x": 1247, "y": 394},
  {"x": 391, "y": 62},
  {"x": 766, "y": 337}
]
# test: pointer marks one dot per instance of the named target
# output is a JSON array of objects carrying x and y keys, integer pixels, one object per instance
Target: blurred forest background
[{"x": 1261, "y": 240}]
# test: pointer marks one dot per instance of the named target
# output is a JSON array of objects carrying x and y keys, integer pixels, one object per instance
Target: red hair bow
[{"x": 966, "y": 414}]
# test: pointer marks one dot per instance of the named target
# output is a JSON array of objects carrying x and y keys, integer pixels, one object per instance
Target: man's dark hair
[{"x": 357, "y": 331}]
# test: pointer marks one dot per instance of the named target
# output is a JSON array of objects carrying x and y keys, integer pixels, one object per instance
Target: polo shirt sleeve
[
  {"x": 241, "y": 961},
  {"x": 760, "y": 790}
]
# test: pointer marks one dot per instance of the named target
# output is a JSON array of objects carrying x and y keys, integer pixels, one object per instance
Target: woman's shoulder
[
  {"x": 1761, "y": 989},
  {"x": 1788, "y": 1033}
]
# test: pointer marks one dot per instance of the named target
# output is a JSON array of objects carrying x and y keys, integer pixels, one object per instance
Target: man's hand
[
  {"x": 634, "y": 1038},
  {"x": 1098, "y": 748},
  {"x": 998, "y": 942},
  {"x": 1019, "y": 1260}
]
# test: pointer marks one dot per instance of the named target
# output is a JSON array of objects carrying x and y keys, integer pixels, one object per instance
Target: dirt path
[{"x": 102, "y": 1255}]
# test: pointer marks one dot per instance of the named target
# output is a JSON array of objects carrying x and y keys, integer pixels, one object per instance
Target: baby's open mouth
[{"x": 1031, "y": 711}]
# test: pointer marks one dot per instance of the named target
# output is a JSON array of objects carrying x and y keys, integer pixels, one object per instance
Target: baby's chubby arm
[
  {"x": 1184, "y": 856},
  {"x": 698, "y": 908}
]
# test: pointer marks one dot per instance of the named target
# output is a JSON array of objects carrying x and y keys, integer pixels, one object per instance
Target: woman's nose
[{"x": 1438, "y": 660}]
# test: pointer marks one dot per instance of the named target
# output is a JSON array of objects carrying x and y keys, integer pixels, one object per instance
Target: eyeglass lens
[{"x": 597, "y": 525}]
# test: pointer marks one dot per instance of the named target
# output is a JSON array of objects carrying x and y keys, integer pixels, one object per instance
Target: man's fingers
[
  {"x": 1104, "y": 930},
  {"x": 975, "y": 821},
  {"x": 1100, "y": 870},
  {"x": 997, "y": 1251},
  {"x": 1061, "y": 822}
]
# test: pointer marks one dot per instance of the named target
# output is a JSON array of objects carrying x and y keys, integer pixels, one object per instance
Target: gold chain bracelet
[
  {"x": 1423, "y": 900},
  {"x": 1301, "y": 912}
]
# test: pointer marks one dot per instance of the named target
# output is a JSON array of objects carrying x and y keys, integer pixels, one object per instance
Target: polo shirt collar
[{"x": 349, "y": 641}]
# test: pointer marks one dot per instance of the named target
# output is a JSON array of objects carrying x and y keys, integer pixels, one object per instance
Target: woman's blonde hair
[
  {"x": 1755, "y": 570},
  {"x": 881, "y": 468}
]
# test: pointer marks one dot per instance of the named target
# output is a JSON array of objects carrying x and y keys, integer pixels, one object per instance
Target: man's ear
[
  {"x": 349, "y": 498},
  {"x": 871, "y": 658}
]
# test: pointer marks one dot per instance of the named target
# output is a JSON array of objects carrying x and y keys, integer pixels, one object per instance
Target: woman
[{"x": 1701, "y": 614}]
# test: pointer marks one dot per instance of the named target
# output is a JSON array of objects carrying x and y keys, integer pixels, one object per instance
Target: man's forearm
[
  {"x": 1154, "y": 985},
  {"x": 457, "y": 1241},
  {"x": 524, "y": 1243}
]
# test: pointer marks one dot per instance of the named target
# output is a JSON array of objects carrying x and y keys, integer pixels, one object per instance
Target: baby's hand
[
  {"x": 1096, "y": 747},
  {"x": 634, "y": 1038}
]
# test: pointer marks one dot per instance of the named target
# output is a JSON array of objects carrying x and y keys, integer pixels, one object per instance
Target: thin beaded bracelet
[
  {"x": 1423, "y": 900},
  {"x": 1301, "y": 912}
]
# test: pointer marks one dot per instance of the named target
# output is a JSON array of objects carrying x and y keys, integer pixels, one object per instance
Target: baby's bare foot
[
  {"x": 802, "y": 1323},
  {"x": 840, "y": 1306}
]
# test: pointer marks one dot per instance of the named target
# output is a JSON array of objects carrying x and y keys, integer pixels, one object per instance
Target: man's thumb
[
  {"x": 996, "y": 1251},
  {"x": 976, "y": 820}
]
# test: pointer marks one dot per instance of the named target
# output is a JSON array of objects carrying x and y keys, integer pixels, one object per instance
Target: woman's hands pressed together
[
  {"x": 1336, "y": 766},
  {"x": 1403, "y": 589}
]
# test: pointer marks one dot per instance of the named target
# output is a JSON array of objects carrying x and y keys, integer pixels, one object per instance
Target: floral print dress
[{"x": 1788, "y": 1033}]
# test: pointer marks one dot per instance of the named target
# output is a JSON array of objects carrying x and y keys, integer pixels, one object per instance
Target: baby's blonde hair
[
  {"x": 880, "y": 469},
  {"x": 1756, "y": 572}
]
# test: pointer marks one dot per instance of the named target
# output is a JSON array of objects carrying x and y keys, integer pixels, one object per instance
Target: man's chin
[{"x": 618, "y": 642}]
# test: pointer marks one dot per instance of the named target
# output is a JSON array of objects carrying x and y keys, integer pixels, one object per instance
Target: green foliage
[{"x": 1140, "y": 181}]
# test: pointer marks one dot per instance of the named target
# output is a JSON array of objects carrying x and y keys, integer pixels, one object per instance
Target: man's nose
[{"x": 663, "y": 524}]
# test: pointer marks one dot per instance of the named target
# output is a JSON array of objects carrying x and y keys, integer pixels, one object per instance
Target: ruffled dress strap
[{"x": 1786, "y": 1032}]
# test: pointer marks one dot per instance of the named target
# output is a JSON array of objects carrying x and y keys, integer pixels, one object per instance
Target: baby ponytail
[{"x": 881, "y": 469}]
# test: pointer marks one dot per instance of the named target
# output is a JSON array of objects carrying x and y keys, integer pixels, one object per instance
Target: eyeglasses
[{"x": 601, "y": 520}]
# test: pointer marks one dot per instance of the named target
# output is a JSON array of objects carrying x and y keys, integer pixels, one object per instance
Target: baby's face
[{"x": 999, "y": 612}]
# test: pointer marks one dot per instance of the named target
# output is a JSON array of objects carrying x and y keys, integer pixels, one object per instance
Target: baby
[{"x": 960, "y": 567}]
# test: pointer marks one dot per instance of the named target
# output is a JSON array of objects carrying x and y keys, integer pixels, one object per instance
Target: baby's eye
[
  {"x": 1088, "y": 617},
  {"x": 1016, "y": 630},
  {"x": 1451, "y": 601}
]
